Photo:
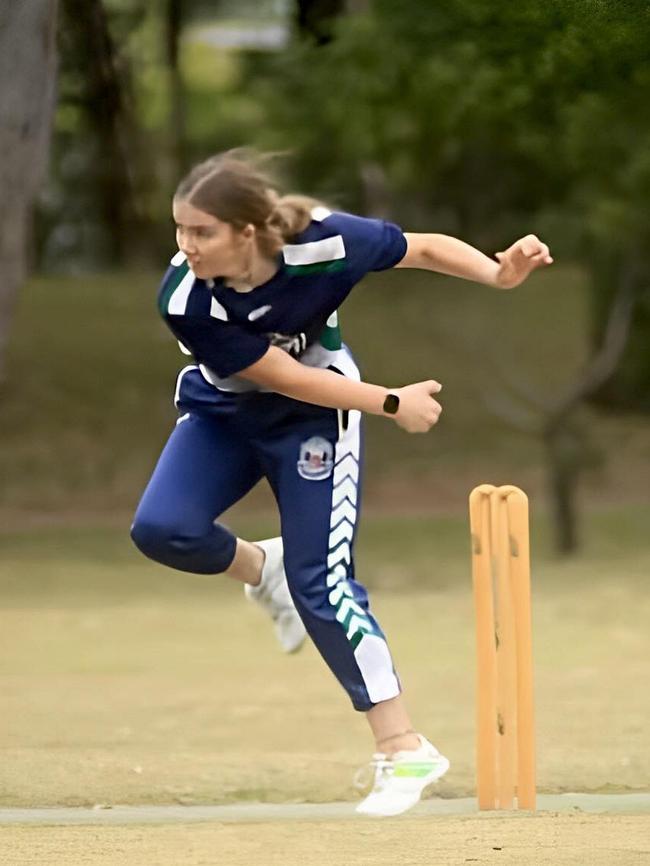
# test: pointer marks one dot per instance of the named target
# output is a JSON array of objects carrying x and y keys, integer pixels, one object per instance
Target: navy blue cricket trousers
[{"x": 222, "y": 445}]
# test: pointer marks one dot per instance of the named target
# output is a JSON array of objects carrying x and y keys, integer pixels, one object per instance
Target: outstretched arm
[
  {"x": 447, "y": 255},
  {"x": 278, "y": 371}
]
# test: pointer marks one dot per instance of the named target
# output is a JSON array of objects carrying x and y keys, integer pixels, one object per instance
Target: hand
[
  {"x": 418, "y": 411},
  {"x": 519, "y": 260}
]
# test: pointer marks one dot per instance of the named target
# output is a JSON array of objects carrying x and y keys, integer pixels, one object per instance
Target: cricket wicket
[{"x": 505, "y": 748}]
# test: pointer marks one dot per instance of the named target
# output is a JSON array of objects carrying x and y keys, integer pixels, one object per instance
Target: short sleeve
[
  {"x": 222, "y": 346},
  {"x": 371, "y": 244}
]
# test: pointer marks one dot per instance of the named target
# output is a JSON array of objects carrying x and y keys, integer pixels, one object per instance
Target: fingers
[
  {"x": 542, "y": 256},
  {"x": 432, "y": 415},
  {"x": 433, "y": 408},
  {"x": 534, "y": 249},
  {"x": 529, "y": 245},
  {"x": 528, "y": 252},
  {"x": 419, "y": 411}
]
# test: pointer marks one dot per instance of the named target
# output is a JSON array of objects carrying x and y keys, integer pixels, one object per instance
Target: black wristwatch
[{"x": 391, "y": 404}]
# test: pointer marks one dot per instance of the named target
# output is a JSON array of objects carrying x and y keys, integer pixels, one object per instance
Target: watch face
[{"x": 391, "y": 404}]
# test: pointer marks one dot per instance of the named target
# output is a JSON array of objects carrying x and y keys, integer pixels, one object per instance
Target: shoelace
[{"x": 370, "y": 775}]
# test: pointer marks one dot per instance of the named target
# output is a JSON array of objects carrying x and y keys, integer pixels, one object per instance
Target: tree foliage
[
  {"x": 480, "y": 118},
  {"x": 489, "y": 119}
]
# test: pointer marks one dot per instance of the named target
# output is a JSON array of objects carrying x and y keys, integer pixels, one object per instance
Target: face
[{"x": 213, "y": 248}]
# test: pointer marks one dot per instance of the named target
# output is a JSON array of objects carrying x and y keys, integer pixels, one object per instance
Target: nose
[
  {"x": 187, "y": 247},
  {"x": 186, "y": 243}
]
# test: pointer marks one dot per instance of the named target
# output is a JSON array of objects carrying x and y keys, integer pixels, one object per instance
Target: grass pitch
[
  {"x": 124, "y": 682},
  {"x": 127, "y": 683}
]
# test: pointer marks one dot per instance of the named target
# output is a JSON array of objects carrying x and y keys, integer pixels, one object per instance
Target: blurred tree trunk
[
  {"x": 565, "y": 463},
  {"x": 375, "y": 189},
  {"x": 566, "y": 439},
  {"x": 314, "y": 18},
  {"x": 174, "y": 10},
  {"x": 566, "y": 448},
  {"x": 629, "y": 387},
  {"x": 27, "y": 97},
  {"x": 110, "y": 117}
]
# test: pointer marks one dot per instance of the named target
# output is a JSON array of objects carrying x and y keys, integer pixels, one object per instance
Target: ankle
[
  {"x": 255, "y": 580},
  {"x": 408, "y": 743},
  {"x": 404, "y": 741}
]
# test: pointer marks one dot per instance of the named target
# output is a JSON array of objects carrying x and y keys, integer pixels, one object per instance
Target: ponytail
[
  {"x": 233, "y": 188},
  {"x": 291, "y": 215}
]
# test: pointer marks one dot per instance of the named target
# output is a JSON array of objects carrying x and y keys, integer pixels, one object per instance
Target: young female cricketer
[{"x": 252, "y": 294}]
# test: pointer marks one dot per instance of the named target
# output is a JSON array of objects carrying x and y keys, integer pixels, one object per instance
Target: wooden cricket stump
[{"x": 505, "y": 747}]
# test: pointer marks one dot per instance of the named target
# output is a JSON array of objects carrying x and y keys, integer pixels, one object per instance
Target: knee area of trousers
[
  {"x": 151, "y": 538},
  {"x": 165, "y": 542}
]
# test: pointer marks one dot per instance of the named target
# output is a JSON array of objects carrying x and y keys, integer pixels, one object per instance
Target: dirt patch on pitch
[{"x": 524, "y": 840}]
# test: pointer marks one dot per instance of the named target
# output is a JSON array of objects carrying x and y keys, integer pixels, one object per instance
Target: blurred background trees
[
  {"x": 27, "y": 77},
  {"x": 478, "y": 118},
  {"x": 474, "y": 118}
]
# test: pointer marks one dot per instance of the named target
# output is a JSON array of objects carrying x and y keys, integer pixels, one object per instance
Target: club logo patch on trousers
[{"x": 316, "y": 459}]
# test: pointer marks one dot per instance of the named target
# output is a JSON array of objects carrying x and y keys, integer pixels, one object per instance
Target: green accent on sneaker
[{"x": 413, "y": 770}]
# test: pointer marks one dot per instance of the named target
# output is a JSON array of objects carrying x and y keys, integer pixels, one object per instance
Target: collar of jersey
[{"x": 219, "y": 284}]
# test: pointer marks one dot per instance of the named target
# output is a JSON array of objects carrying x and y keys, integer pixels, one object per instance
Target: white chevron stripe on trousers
[
  {"x": 370, "y": 649},
  {"x": 345, "y": 509},
  {"x": 346, "y": 490},
  {"x": 348, "y": 467}
]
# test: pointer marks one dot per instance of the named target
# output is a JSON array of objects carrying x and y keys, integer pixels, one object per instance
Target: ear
[{"x": 248, "y": 230}]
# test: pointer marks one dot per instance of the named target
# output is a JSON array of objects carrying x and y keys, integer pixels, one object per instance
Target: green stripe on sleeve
[
  {"x": 317, "y": 268},
  {"x": 172, "y": 284},
  {"x": 330, "y": 336}
]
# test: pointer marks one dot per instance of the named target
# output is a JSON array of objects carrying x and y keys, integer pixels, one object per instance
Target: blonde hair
[{"x": 234, "y": 188}]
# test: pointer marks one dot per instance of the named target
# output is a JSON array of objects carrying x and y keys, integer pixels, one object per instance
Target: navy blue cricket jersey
[{"x": 227, "y": 331}]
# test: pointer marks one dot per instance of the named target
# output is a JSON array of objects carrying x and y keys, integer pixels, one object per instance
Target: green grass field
[{"x": 125, "y": 682}]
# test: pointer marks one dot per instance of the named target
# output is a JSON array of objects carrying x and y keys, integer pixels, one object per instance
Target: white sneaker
[
  {"x": 272, "y": 593},
  {"x": 400, "y": 780}
]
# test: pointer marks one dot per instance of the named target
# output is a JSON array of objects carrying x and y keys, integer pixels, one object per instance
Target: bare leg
[
  {"x": 247, "y": 564},
  {"x": 389, "y": 720},
  {"x": 391, "y": 726}
]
